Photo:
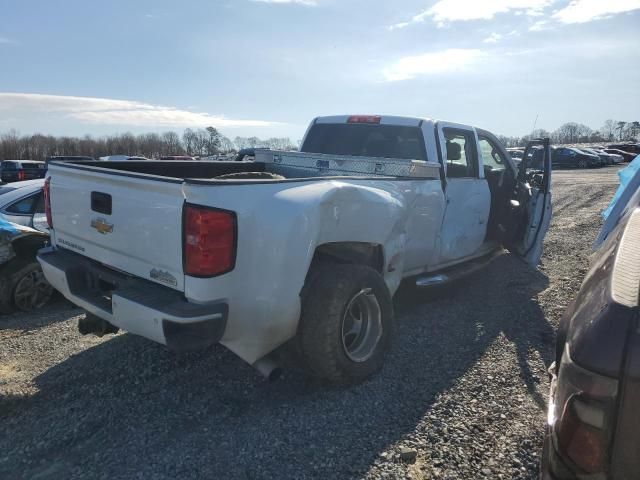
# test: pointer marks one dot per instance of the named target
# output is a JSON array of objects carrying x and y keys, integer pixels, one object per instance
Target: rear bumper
[{"x": 134, "y": 304}]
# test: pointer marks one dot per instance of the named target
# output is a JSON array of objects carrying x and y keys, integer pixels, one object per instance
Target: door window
[
  {"x": 492, "y": 157},
  {"x": 23, "y": 206},
  {"x": 461, "y": 153}
]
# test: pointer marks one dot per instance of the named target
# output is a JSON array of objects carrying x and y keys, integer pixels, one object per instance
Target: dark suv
[
  {"x": 18, "y": 170},
  {"x": 593, "y": 418}
]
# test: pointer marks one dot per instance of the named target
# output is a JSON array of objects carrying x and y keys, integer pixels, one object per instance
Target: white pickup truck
[{"x": 294, "y": 251}]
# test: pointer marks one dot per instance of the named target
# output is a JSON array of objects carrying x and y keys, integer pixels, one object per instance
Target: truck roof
[
  {"x": 381, "y": 119},
  {"x": 384, "y": 120}
]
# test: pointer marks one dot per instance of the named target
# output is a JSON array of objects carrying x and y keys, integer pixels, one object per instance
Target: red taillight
[
  {"x": 364, "y": 119},
  {"x": 582, "y": 435},
  {"x": 47, "y": 201},
  {"x": 20, "y": 174},
  {"x": 209, "y": 241}
]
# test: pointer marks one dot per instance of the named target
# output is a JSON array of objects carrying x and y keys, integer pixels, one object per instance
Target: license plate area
[{"x": 95, "y": 284}]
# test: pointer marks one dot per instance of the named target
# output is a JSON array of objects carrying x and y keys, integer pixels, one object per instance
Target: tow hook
[{"x": 91, "y": 323}]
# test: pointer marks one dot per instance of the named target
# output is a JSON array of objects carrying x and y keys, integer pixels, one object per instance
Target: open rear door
[{"x": 531, "y": 202}]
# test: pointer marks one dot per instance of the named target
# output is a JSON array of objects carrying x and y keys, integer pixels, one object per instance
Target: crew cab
[{"x": 294, "y": 252}]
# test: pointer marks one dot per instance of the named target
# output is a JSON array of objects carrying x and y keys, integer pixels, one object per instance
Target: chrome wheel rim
[
  {"x": 361, "y": 326},
  {"x": 32, "y": 291}
]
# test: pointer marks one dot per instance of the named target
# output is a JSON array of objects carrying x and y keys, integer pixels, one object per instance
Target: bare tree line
[
  {"x": 209, "y": 141},
  {"x": 572, "y": 132},
  {"x": 199, "y": 142}
]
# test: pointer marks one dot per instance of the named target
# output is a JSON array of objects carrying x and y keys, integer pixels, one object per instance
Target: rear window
[
  {"x": 23, "y": 206},
  {"x": 32, "y": 165},
  {"x": 365, "y": 140}
]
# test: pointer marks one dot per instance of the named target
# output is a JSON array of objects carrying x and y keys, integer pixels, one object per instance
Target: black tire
[
  {"x": 24, "y": 287},
  {"x": 582, "y": 164},
  {"x": 250, "y": 176},
  {"x": 330, "y": 289}
]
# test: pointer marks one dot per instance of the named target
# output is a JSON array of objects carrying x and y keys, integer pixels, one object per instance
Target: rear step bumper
[{"x": 134, "y": 304}]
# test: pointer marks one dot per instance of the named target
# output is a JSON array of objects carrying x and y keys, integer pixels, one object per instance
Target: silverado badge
[
  {"x": 162, "y": 276},
  {"x": 102, "y": 226}
]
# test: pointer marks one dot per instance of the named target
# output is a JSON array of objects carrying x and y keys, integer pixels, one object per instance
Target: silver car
[{"x": 23, "y": 203}]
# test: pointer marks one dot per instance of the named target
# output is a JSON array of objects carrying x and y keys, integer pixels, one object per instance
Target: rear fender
[
  {"x": 366, "y": 215},
  {"x": 280, "y": 228}
]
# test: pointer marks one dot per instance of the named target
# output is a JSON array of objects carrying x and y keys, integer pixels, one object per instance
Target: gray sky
[{"x": 267, "y": 67}]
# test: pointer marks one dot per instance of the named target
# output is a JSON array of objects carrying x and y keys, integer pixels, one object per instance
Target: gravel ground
[{"x": 464, "y": 388}]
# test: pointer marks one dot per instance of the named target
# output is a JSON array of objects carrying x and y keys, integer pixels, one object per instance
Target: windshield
[{"x": 388, "y": 141}]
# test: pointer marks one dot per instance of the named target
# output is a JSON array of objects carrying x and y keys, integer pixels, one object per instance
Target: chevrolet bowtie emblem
[{"x": 102, "y": 226}]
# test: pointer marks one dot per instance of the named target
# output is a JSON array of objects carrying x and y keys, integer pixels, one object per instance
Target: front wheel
[
  {"x": 582, "y": 164},
  {"x": 346, "y": 324},
  {"x": 24, "y": 287},
  {"x": 32, "y": 291}
]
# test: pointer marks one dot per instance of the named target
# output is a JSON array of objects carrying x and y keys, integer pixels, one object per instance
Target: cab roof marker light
[{"x": 364, "y": 119}]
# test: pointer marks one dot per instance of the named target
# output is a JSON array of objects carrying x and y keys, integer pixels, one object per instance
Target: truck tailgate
[{"x": 127, "y": 222}]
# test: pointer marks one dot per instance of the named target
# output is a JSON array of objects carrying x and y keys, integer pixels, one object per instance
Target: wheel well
[
  {"x": 27, "y": 246},
  {"x": 360, "y": 253}
]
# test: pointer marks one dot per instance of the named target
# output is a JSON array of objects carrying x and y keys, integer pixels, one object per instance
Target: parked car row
[{"x": 593, "y": 156}]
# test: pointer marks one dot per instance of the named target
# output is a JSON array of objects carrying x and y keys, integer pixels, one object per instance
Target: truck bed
[{"x": 291, "y": 165}]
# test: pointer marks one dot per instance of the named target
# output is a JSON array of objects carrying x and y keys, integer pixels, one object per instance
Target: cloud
[
  {"x": 496, "y": 37},
  {"x": 309, "y": 3},
  {"x": 582, "y": 11},
  {"x": 493, "y": 38},
  {"x": 446, "y": 11},
  {"x": 431, "y": 63},
  {"x": 106, "y": 111},
  {"x": 539, "y": 26}
]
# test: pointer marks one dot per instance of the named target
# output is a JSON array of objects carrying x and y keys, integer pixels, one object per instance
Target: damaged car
[{"x": 22, "y": 283}]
